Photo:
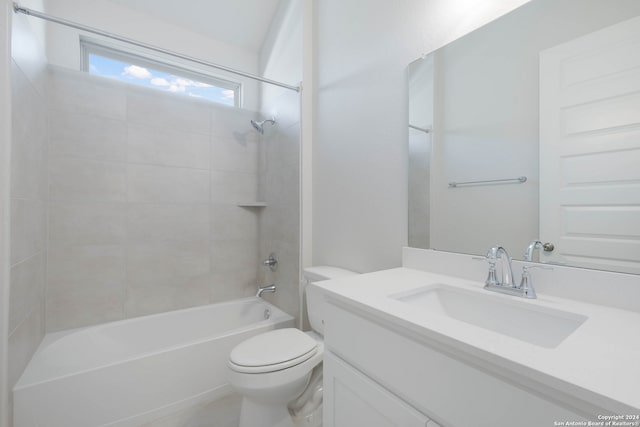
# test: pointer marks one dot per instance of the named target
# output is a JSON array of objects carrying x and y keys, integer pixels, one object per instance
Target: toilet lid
[{"x": 273, "y": 351}]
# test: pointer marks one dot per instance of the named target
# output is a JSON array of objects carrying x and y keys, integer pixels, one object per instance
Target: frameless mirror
[{"x": 529, "y": 129}]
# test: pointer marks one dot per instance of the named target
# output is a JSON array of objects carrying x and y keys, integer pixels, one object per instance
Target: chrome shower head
[{"x": 259, "y": 126}]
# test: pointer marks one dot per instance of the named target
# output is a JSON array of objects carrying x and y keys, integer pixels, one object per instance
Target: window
[{"x": 131, "y": 68}]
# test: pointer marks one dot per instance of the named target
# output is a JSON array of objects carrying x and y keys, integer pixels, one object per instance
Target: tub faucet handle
[
  {"x": 262, "y": 289},
  {"x": 271, "y": 262}
]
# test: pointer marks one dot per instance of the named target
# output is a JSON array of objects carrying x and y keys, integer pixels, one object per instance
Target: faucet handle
[
  {"x": 492, "y": 280},
  {"x": 526, "y": 283},
  {"x": 271, "y": 262}
]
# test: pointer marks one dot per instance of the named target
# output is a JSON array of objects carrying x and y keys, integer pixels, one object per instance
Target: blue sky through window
[{"x": 131, "y": 73}]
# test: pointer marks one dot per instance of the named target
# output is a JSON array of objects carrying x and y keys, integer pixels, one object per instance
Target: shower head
[{"x": 259, "y": 126}]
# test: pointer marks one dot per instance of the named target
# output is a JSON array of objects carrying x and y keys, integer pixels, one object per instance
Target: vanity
[
  {"x": 524, "y": 133},
  {"x": 426, "y": 345}
]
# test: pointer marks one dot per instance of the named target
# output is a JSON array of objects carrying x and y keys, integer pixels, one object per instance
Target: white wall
[
  {"x": 63, "y": 42},
  {"x": 360, "y": 142}
]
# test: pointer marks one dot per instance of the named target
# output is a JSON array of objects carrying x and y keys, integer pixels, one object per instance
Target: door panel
[{"x": 590, "y": 149}]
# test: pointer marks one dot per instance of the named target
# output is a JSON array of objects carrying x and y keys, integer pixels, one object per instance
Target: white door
[{"x": 590, "y": 149}]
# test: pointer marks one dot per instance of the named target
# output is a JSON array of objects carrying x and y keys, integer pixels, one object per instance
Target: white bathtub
[{"x": 129, "y": 372}]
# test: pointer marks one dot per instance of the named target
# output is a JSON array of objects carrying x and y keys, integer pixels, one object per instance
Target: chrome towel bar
[{"x": 519, "y": 180}]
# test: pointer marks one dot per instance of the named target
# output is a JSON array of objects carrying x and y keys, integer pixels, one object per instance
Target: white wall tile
[
  {"x": 28, "y": 228},
  {"x": 86, "y": 223},
  {"x": 86, "y": 306},
  {"x": 229, "y": 154},
  {"x": 230, "y": 222},
  {"x": 29, "y": 135},
  {"x": 86, "y": 180},
  {"x": 23, "y": 342},
  {"x": 143, "y": 214},
  {"x": 86, "y": 135},
  {"x": 85, "y": 285},
  {"x": 28, "y": 174},
  {"x": 158, "y": 223},
  {"x": 85, "y": 266},
  {"x": 170, "y": 294},
  {"x": 147, "y": 145},
  {"x": 166, "y": 262},
  {"x": 80, "y": 92},
  {"x": 163, "y": 184},
  {"x": 27, "y": 288},
  {"x": 167, "y": 110},
  {"x": 166, "y": 276},
  {"x": 226, "y": 286},
  {"x": 227, "y": 122},
  {"x": 233, "y": 187},
  {"x": 234, "y": 255}
]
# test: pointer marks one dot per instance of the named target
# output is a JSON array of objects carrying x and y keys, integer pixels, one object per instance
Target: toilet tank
[{"x": 313, "y": 296}]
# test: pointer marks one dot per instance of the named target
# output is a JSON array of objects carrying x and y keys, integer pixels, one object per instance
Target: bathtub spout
[{"x": 269, "y": 288}]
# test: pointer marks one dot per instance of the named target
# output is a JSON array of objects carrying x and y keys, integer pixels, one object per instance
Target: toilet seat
[{"x": 273, "y": 351}]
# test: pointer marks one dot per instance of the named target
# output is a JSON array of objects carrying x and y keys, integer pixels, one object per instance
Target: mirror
[{"x": 529, "y": 129}]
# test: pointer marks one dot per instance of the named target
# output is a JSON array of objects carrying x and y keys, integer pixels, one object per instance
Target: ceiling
[{"x": 241, "y": 23}]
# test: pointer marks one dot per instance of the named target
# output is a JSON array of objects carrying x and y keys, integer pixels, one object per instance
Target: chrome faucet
[
  {"x": 507, "y": 272},
  {"x": 262, "y": 289},
  {"x": 506, "y": 283},
  {"x": 528, "y": 253}
]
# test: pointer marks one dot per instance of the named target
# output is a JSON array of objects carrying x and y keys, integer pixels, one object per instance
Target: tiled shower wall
[
  {"x": 279, "y": 185},
  {"x": 143, "y": 201},
  {"x": 28, "y": 215}
]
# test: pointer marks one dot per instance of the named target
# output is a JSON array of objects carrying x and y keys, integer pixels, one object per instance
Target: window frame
[{"x": 88, "y": 47}]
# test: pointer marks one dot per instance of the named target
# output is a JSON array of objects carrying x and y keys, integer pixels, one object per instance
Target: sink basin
[{"x": 542, "y": 326}]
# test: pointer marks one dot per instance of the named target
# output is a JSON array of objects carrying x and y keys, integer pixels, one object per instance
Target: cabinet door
[{"x": 353, "y": 399}]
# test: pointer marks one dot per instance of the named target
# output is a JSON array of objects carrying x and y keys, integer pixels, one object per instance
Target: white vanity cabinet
[
  {"x": 353, "y": 399},
  {"x": 375, "y": 374}
]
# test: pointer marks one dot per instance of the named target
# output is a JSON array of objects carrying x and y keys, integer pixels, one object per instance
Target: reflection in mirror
[
  {"x": 420, "y": 119},
  {"x": 548, "y": 92}
]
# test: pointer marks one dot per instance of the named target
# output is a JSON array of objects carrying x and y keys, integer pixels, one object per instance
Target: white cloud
[
  {"x": 228, "y": 94},
  {"x": 158, "y": 81},
  {"x": 176, "y": 88},
  {"x": 200, "y": 84},
  {"x": 137, "y": 72},
  {"x": 183, "y": 82}
]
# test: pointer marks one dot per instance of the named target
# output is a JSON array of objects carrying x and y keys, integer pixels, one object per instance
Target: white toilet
[{"x": 274, "y": 370}]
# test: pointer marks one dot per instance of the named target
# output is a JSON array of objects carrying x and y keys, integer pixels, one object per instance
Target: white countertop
[{"x": 599, "y": 363}]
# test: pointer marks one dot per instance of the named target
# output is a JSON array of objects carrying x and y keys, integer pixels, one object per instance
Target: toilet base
[{"x": 253, "y": 414}]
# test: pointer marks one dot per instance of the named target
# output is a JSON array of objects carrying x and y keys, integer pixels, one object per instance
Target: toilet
[{"x": 279, "y": 373}]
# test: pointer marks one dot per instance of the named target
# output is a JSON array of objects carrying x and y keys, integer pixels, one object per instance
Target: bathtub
[{"x": 130, "y": 372}]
